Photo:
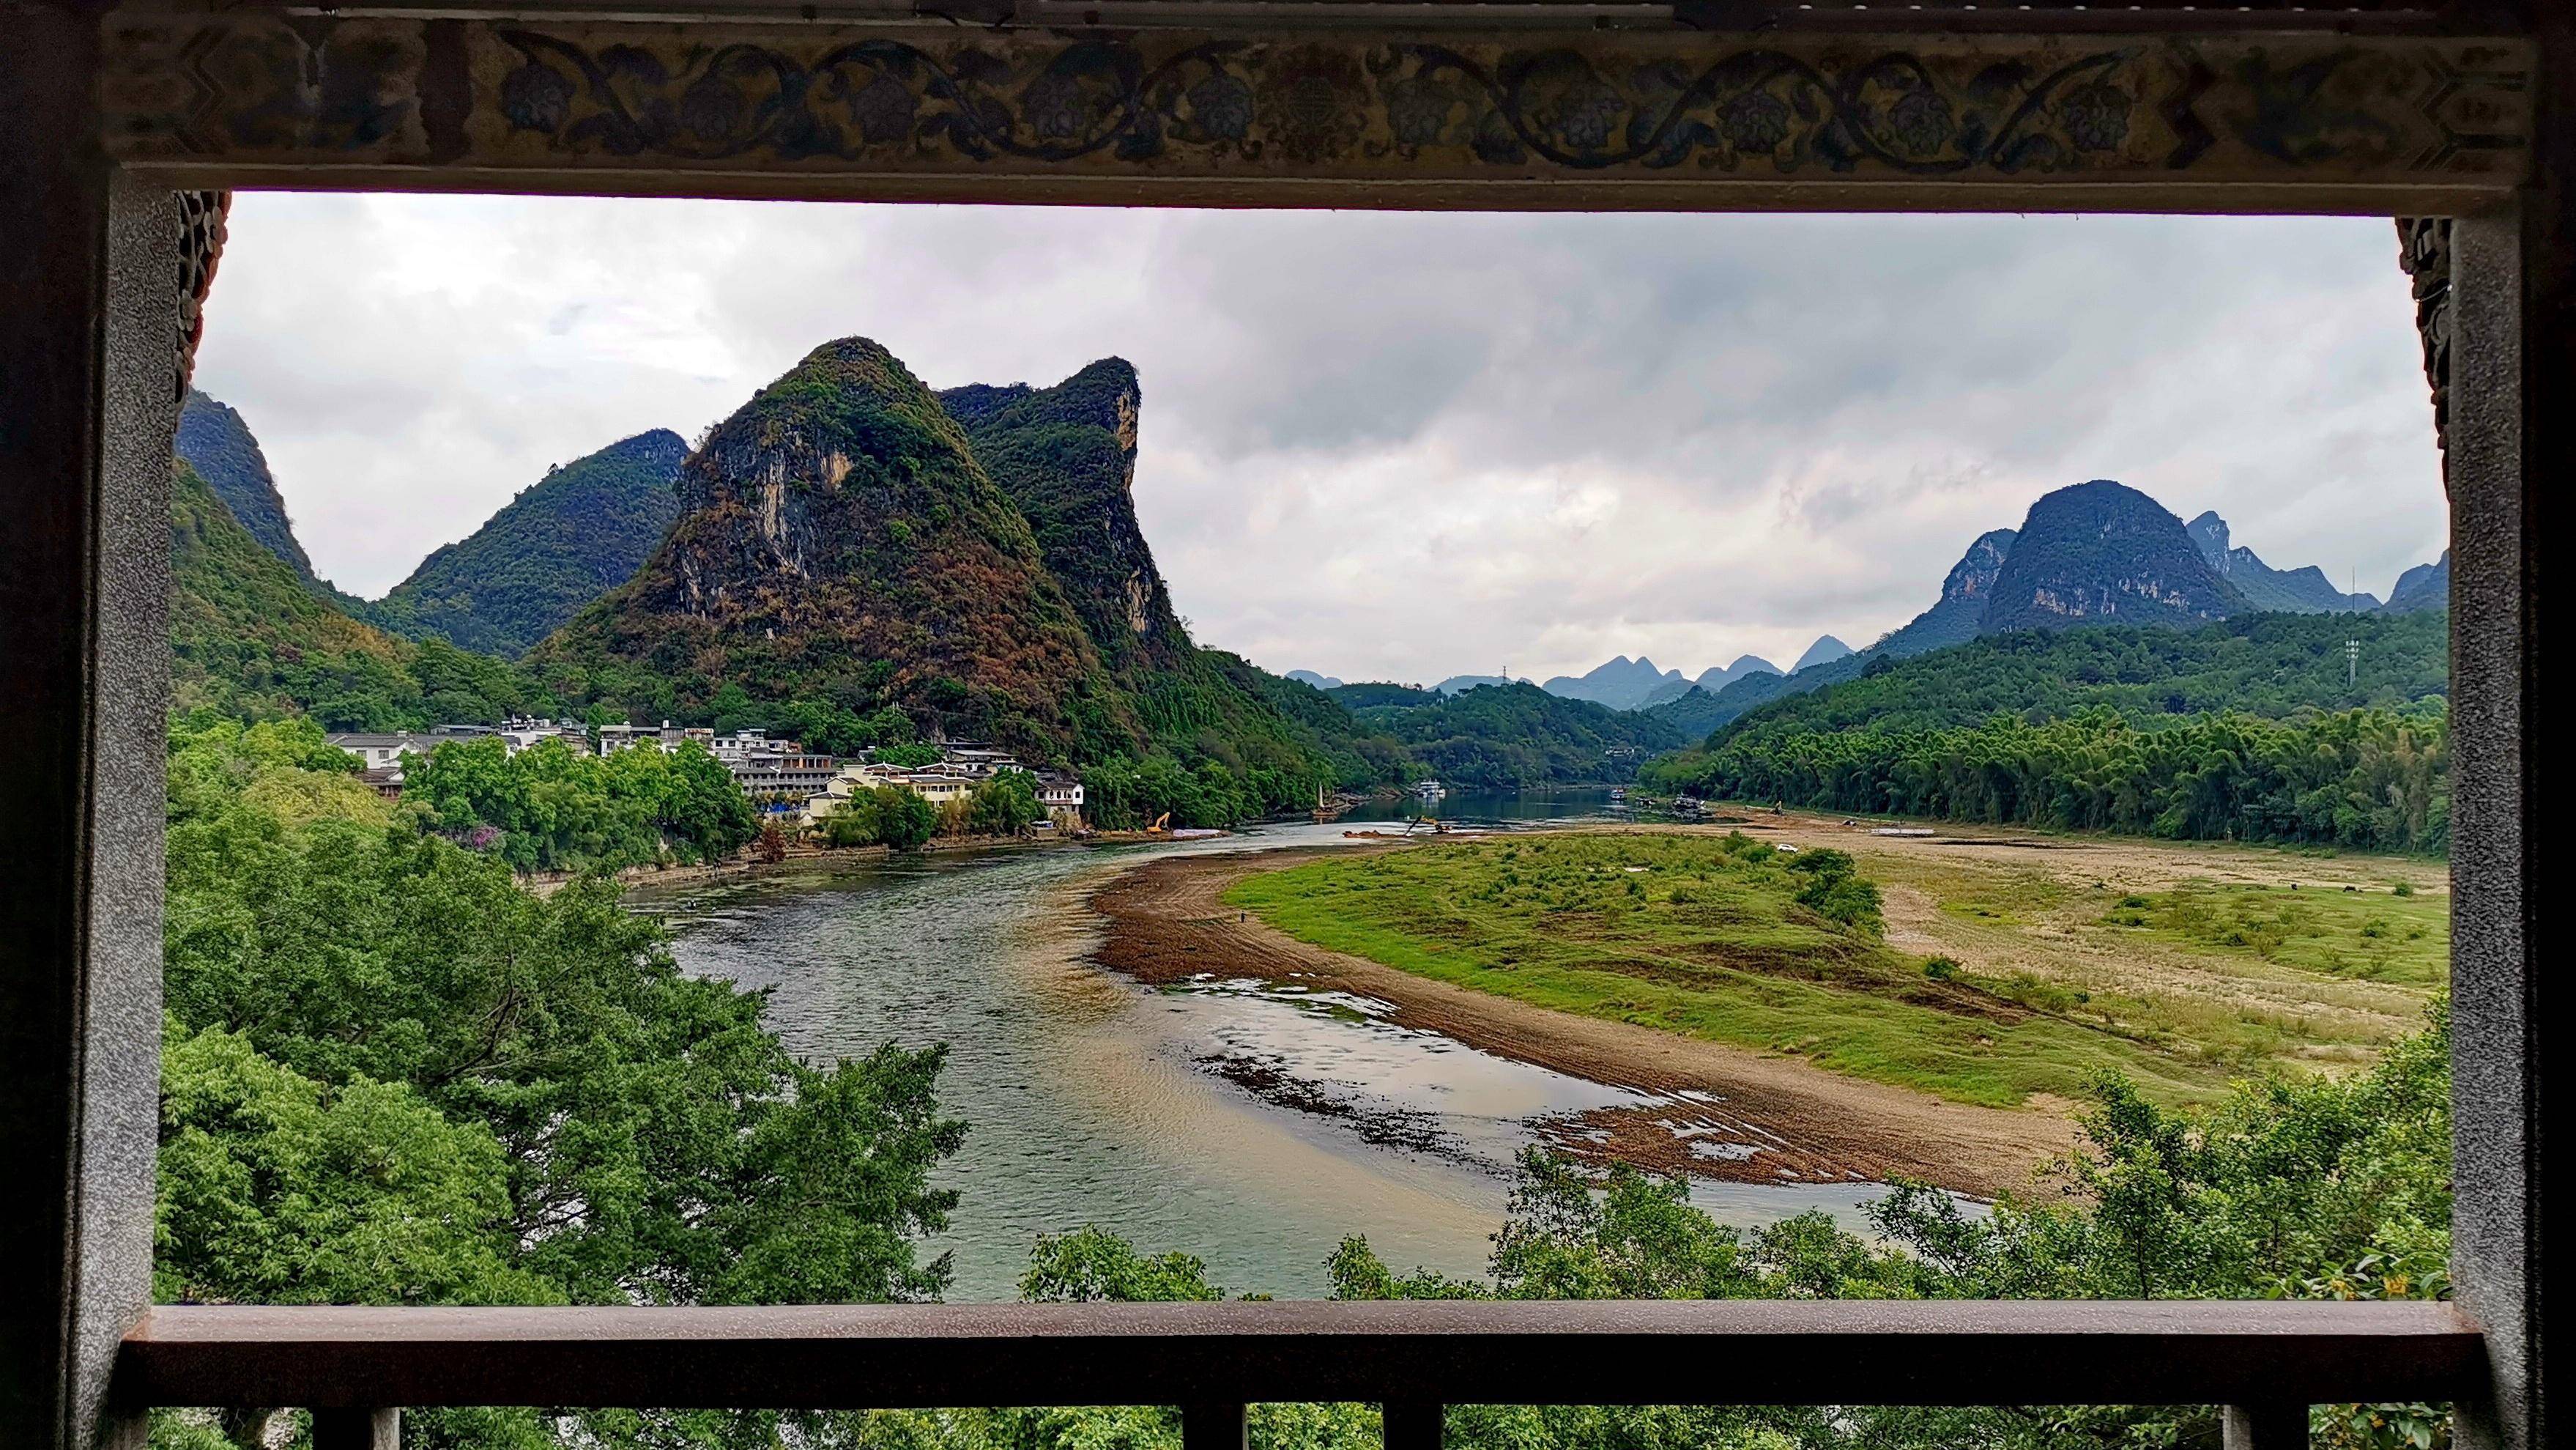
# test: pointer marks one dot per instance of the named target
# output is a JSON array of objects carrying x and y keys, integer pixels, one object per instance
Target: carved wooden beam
[
  {"x": 201, "y": 246},
  {"x": 2424, "y": 251},
  {"x": 2293, "y": 121}
]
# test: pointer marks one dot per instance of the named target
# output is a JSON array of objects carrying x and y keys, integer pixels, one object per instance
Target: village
[{"x": 791, "y": 786}]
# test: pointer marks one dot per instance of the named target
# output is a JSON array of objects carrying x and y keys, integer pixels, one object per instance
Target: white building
[
  {"x": 375, "y": 751},
  {"x": 1060, "y": 796},
  {"x": 666, "y": 737}
]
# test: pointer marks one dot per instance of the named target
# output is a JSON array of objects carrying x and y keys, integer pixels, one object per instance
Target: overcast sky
[{"x": 1384, "y": 445}]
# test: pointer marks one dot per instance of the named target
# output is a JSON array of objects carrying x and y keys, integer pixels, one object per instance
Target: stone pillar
[{"x": 88, "y": 293}]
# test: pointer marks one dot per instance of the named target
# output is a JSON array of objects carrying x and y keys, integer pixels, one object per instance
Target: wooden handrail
[{"x": 1624, "y": 1352}]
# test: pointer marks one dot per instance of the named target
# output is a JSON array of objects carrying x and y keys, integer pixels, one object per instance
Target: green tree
[
  {"x": 278, "y": 1189},
  {"x": 1004, "y": 805}
]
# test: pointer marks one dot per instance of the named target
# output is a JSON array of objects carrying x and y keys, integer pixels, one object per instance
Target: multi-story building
[{"x": 780, "y": 775}]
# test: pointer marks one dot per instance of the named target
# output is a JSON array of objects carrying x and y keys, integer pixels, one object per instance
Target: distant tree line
[{"x": 2367, "y": 779}]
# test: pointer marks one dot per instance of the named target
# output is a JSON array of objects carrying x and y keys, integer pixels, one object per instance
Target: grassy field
[{"x": 1998, "y": 975}]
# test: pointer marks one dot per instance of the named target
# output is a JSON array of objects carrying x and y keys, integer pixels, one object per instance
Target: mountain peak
[
  {"x": 2209, "y": 531},
  {"x": 1065, "y": 456},
  {"x": 2102, "y": 551},
  {"x": 1105, "y": 394},
  {"x": 839, "y": 539},
  {"x": 218, "y": 445},
  {"x": 1825, "y": 650}
]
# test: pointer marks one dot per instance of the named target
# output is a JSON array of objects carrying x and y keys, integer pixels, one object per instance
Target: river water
[{"x": 1249, "y": 1125}]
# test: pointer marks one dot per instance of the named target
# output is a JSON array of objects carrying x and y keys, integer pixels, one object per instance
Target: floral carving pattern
[{"x": 1166, "y": 102}]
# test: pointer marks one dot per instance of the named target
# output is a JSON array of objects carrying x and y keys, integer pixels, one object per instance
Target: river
[{"x": 1251, "y": 1126}]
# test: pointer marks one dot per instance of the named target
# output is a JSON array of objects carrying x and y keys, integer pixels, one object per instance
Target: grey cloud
[{"x": 1396, "y": 444}]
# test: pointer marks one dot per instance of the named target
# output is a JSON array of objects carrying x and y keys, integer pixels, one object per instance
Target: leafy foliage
[
  {"x": 551, "y": 808},
  {"x": 577, "y": 533},
  {"x": 885, "y": 815},
  {"x": 395, "y": 1076}
]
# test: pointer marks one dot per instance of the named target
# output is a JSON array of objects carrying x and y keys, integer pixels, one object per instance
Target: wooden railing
[{"x": 2266, "y": 1362}]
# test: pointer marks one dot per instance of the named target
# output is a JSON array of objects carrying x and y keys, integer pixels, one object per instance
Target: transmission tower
[{"x": 2351, "y": 663}]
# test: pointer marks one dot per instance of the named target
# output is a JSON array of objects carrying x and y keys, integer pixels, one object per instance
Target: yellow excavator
[{"x": 1162, "y": 823}]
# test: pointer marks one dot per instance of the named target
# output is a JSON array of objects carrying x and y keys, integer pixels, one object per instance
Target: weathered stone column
[{"x": 89, "y": 282}]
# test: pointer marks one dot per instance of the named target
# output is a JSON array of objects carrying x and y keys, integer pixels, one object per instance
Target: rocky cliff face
[
  {"x": 1954, "y": 618},
  {"x": 1065, "y": 456},
  {"x": 2102, "y": 553},
  {"x": 838, "y": 540}
]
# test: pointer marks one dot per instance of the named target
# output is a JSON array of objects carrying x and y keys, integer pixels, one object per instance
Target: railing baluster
[
  {"x": 2271, "y": 1425},
  {"x": 342, "y": 1428},
  {"x": 1413, "y": 1424},
  {"x": 1208, "y": 1425}
]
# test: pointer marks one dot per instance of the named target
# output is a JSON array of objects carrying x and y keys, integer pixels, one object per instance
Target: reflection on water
[{"x": 1252, "y": 1125}]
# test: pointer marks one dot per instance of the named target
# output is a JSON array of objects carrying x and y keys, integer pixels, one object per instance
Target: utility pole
[{"x": 2351, "y": 663}]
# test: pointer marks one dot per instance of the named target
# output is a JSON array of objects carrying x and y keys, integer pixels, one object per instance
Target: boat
[{"x": 1430, "y": 790}]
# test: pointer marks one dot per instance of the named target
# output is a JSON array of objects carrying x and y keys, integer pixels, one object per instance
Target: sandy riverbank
[{"x": 1164, "y": 922}]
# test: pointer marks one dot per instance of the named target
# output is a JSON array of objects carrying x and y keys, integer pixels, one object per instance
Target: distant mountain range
[
  {"x": 2097, "y": 552},
  {"x": 1620, "y": 684},
  {"x": 2094, "y": 553},
  {"x": 2291, "y": 591},
  {"x": 973, "y": 558}
]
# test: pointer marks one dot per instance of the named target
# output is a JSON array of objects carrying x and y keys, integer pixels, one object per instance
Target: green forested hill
[
  {"x": 218, "y": 444},
  {"x": 1506, "y": 737},
  {"x": 2242, "y": 730},
  {"x": 1368, "y": 693},
  {"x": 2271, "y": 665},
  {"x": 574, "y": 535},
  {"x": 249, "y": 638}
]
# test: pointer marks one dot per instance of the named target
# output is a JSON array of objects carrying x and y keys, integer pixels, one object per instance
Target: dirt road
[{"x": 1724, "y": 1112}]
